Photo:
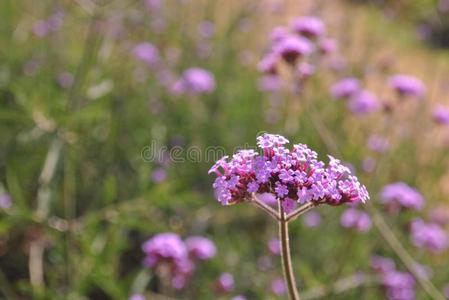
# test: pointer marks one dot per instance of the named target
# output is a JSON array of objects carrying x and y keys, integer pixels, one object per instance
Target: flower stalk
[{"x": 289, "y": 276}]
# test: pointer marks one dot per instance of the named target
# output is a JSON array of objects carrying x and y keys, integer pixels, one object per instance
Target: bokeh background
[{"x": 94, "y": 94}]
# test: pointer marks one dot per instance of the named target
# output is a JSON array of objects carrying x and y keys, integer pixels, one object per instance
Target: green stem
[{"x": 289, "y": 276}]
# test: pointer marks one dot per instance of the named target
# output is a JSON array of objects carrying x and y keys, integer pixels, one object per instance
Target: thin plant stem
[
  {"x": 301, "y": 210},
  {"x": 274, "y": 214},
  {"x": 289, "y": 276}
]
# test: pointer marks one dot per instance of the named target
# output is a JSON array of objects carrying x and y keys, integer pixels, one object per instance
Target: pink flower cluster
[
  {"x": 294, "y": 175},
  {"x": 169, "y": 252}
]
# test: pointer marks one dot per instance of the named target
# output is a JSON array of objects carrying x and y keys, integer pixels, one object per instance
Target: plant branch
[
  {"x": 274, "y": 214},
  {"x": 286, "y": 256}
]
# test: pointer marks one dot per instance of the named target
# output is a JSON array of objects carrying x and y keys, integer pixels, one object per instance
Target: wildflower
[
  {"x": 268, "y": 64},
  {"x": 293, "y": 47},
  {"x": 327, "y": 46},
  {"x": 270, "y": 83},
  {"x": 294, "y": 175},
  {"x": 406, "y": 85},
  {"x": 308, "y": 26},
  {"x": 147, "y": 53},
  {"x": 378, "y": 143},
  {"x": 312, "y": 219},
  {"x": 345, "y": 88},
  {"x": 382, "y": 265},
  {"x": 278, "y": 287},
  {"x": 278, "y": 34},
  {"x": 5, "y": 201},
  {"x": 238, "y": 297},
  {"x": 274, "y": 246},
  {"x": 353, "y": 218},
  {"x": 225, "y": 283},
  {"x": 195, "y": 81},
  {"x": 429, "y": 235},
  {"x": 399, "y": 285},
  {"x": 398, "y": 195},
  {"x": 441, "y": 115},
  {"x": 159, "y": 175},
  {"x": 65, "y": 80},
  {"x": 137, "y": 297},
  {"x": 206, "y": 29},
  {"x": 363, "y": 102},
  {"x": 200, "y": 247}
]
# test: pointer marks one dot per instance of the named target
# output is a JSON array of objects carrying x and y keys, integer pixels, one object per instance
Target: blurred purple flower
[
  {"x": 195, "y": 81},
  {"x": 429, "y": 235},
  {"x": 267, "y": 198},
  {"x": 356, "y": 219},
  {"x": 164, "y": 247},
  {"x": 311, "y": 219},
  {"x": 65, "y": 80},
  {"x": 293, "y": 47},
  {"x": 306, "y": 70},
  {"x": 268, "y": 64},
  {"x": 225, "y": 283},
  {"x": 407, "y": 86},
  {"x": 345, "y": 88},
  {"x": 206, "y": 29},
  {"x": 308, "y": 26},
  {"x": 40, "y": 28},
  {"x": 274, "y": 246},
  {"x": 368, "y": 164},
  {"x": 378, "y": 143},
  {"x": 137, "y": 297},
  {"x": 278, "y": 287},
  {"x": 147, "y": 52},
  {"x": 239, "y": 297},
  {"x": 327, "y": 46},
  {"x": 278, "y": 34},
  {"x": 200, "y": 247},
  {"x": 159, "y": 175},
  {"x": 441, "y": 115},
  {"x": 5, "y": 201},
  {"x": 382, "y": 265},
  {"x": 399, "y": 194},
  {"x": 399, "y": 285},
  {"x": 363, "y": 102},
  {"x": 446, "y": 291},
  {"x": 269, "y": 83},
  {"x": 154, "y": 5}
]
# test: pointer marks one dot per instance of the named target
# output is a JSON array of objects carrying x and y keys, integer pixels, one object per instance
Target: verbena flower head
[
  {"x": 345, "y": 88},
  {"x": 278, "y": 287},
  {"x": 293, "y": 47},
  {"x": 225, "y": 283},
  {"x": 363, "y": 102},
  {"x": 146, "y": 52},
  {"x": 407, "y": 86},
  {"x": 399, "y": 285},
  {"x": 429, "y": 235},
  {"x": 398, "y": 195},
  {"x": 195, "y": 81},
  {"x": 293, "y": 174},
  {"x": 308, "y": 26},
  {"x": 200, "y": 247},
  {"x": 356, "y": 219},
  {"x": 441, "y": 115}
]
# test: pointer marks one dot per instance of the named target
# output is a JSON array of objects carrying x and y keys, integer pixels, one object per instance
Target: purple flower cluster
[
  {"x": 294, "y": 175},
  {"x": 195, "y": 81},
  {"x": 398, "y": 285},
  {"x": 147, "y": 53},
  {"x": 169, "y": 251},
  {"x": 359, "y": 101},
  {"x": 429, "y": 235},
  {"x": 42, "y": 28},
  {"x": 356, "y": 219},
  {"x": 225, "y": 283},
  {"x": 303, "y": 38},
  {"x": 406, "y": 85},
  {"x": 399, "y": 195},
  {"x": 441, "y": 115}
]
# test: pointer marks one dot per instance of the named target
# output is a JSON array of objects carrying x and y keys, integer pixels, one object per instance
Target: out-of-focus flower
[
  {"x": 278, "y": 287},
  {"x": 446, "y": 291},
  {"x": 159, "y": 175},
  {"x": 278, "y": 34},
  {"x": 399, "y": 285},
  {"x": 274, "y": 246},
  {"x": 41, "y": 28},
  {"x": 345, "y": 88},
  {"x": 147, "y": 52},
  {"x": 368, "y": 164},
  {"x": 154, "y": 5},
  {"x": 440, "y": 215},
  {"x": 406, "y": 85},
  {"x": 397, "y": 195},
  {"x": 429, "y": 235},
  {"x": 293, "y": 47},
  {"x": 5, "y": 201},
  {"x": 295, "y": 175},
  {"x": 309, "y": 26},
  {"x": 225, "y": 283},
  {"x": 356, "y": 219},
  {"x": 137, "y": 297},
  {"x": 195, "y": 81},
  {"x": 238, "y": 297},
  {"x": 267, "y": 198},
  {"x": 269, "y": 83},
  {"x": 382, "y": 264},
  {"x": 378, "y": 143},
  {"x": 65, "y": 80},
  {"x": 311, "y": 219},
  {"x": 305, "y": 70},
  {"x": 268, "y": 64},
  {"x": 264, "y": 263},
  {"x": 200, "y": 247},
  {"x": 363, "y": 102},
  {"x": 441, "y": 115},
  {"x": 327, "y": 46},
  {"x": 206, "y": 29}
]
